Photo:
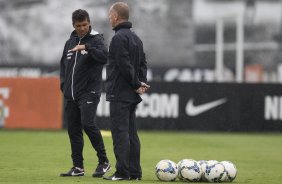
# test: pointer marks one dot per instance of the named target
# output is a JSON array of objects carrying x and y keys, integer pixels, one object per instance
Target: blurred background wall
[
  {"x": 196, "y": 50},
  {"x": 179, "y": 35}
]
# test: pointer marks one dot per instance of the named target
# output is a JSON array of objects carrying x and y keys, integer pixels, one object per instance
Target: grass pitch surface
[{"x": 39, "y": 156}]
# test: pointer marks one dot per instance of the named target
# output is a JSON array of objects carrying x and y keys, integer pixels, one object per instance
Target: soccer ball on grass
[
  {"x": 189, "y": 170},
  {"x": 166, "y": 170},
  {"x": 215, "y": 172},
  {"x": 230, "y": 169}
]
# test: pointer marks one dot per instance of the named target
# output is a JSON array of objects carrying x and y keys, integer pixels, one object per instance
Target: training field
[{"x": 39, "y": 157}]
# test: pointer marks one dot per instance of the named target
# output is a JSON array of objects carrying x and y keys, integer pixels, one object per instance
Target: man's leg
[
  {"x": 75, "y": 132},
  {"x": 88, "y": 108},
  {"x": 119, "y": 126},
  {"x": 134, "y": 167}
]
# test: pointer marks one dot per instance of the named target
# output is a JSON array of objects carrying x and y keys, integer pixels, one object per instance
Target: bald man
[{"x": 126, "y": 81}]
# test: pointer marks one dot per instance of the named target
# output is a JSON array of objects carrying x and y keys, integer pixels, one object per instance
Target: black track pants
[
  {"x": 125, "y": 139},
  {"x": 81, "y": 115}
]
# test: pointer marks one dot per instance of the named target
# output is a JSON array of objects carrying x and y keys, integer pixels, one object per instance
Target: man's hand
[
  {"x": 143, "y": 88},
  {"x": 77, "y": 48}
]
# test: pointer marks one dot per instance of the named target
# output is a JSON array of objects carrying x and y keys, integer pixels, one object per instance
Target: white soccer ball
[
  {"x": 215, "y": 172},
  {"x": 230, "y": 169},
  {"x": 189, "y": 170},
  {"x": 203, "y": 164},
  {"x": 166, "y": 170}
]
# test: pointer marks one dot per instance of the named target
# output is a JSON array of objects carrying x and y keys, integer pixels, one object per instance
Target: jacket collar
[{"x": 125, "y": 25}]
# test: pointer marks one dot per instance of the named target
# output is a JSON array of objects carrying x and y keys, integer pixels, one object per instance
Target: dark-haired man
[
  {"x": 126, "y": 77},
  {"x": 81, "y": 76}
]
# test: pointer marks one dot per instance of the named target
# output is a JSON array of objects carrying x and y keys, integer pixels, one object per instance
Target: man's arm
[
  {"x": 62, "y": 69},
  {"x": 122, "y": 58},
  {"x": 96, "y": 49},
  {"x": 143, "y": 73},
  {"x": 143, "y": 67}
]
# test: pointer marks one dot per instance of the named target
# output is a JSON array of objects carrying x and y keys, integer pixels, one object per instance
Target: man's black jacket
[
  {"x": 81, "y": 71},
  {"x": 127, "y": 66}
]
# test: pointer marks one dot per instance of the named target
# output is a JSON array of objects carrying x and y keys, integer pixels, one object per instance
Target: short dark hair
[
  {"x": 122, "y": 10},
  {"x": 80, "y": 15}
]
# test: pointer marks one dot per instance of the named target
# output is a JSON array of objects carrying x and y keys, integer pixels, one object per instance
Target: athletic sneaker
[
  {"x": 101, "y": 169},
  {"x": 74, "y": 171},
  {"x": 114, "y": 177}
]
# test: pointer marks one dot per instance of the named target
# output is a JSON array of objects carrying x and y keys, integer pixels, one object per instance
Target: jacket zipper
[{"x": 72, "y": 77}]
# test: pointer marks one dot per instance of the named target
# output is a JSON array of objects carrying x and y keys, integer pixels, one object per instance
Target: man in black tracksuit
[
  {"x": 126, "y": 77},
  {"x": 81, "y": 76}
]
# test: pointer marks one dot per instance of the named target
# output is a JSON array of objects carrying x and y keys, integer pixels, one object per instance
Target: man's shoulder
[
  {"x": 122, "y": 34},
  {"x": 118, "y": 36},
  {"x": 70, "y": 39},
  {"x": 67, "y": 43},
  {"x": 96, "y": 37}
]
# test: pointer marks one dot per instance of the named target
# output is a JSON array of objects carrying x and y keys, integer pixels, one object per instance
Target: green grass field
[{"x": 39, "y": 156}]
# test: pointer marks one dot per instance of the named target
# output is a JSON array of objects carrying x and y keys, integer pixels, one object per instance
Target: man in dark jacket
[
  {"x": 81, "y": 76},
  {"x": 126, "y": 77}
]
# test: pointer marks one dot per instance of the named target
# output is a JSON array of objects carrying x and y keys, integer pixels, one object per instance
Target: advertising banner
[
  {"x": 30, "y": 103},
  {"x": 37, "y": 104},
  {"x": 206, "y": 107}
]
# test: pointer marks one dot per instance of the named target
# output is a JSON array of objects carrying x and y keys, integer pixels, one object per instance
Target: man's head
[
  {"x": 119, "y": 12},
  {"x": 81, "y": 22}
]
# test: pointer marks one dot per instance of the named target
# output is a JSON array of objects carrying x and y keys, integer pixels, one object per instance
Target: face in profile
[
  {"x": 112, "y": 17},
  {"x": 81, "y": 28}
]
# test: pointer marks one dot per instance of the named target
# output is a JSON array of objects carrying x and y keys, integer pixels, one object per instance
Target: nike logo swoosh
[
  {"x": 193, "y": 110},
  {"x": 106, "y": 169},
  {"x": 115, "y": 178},
  {"x": 76, "y": 174},
  {"x": 89, "y": 102}
]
